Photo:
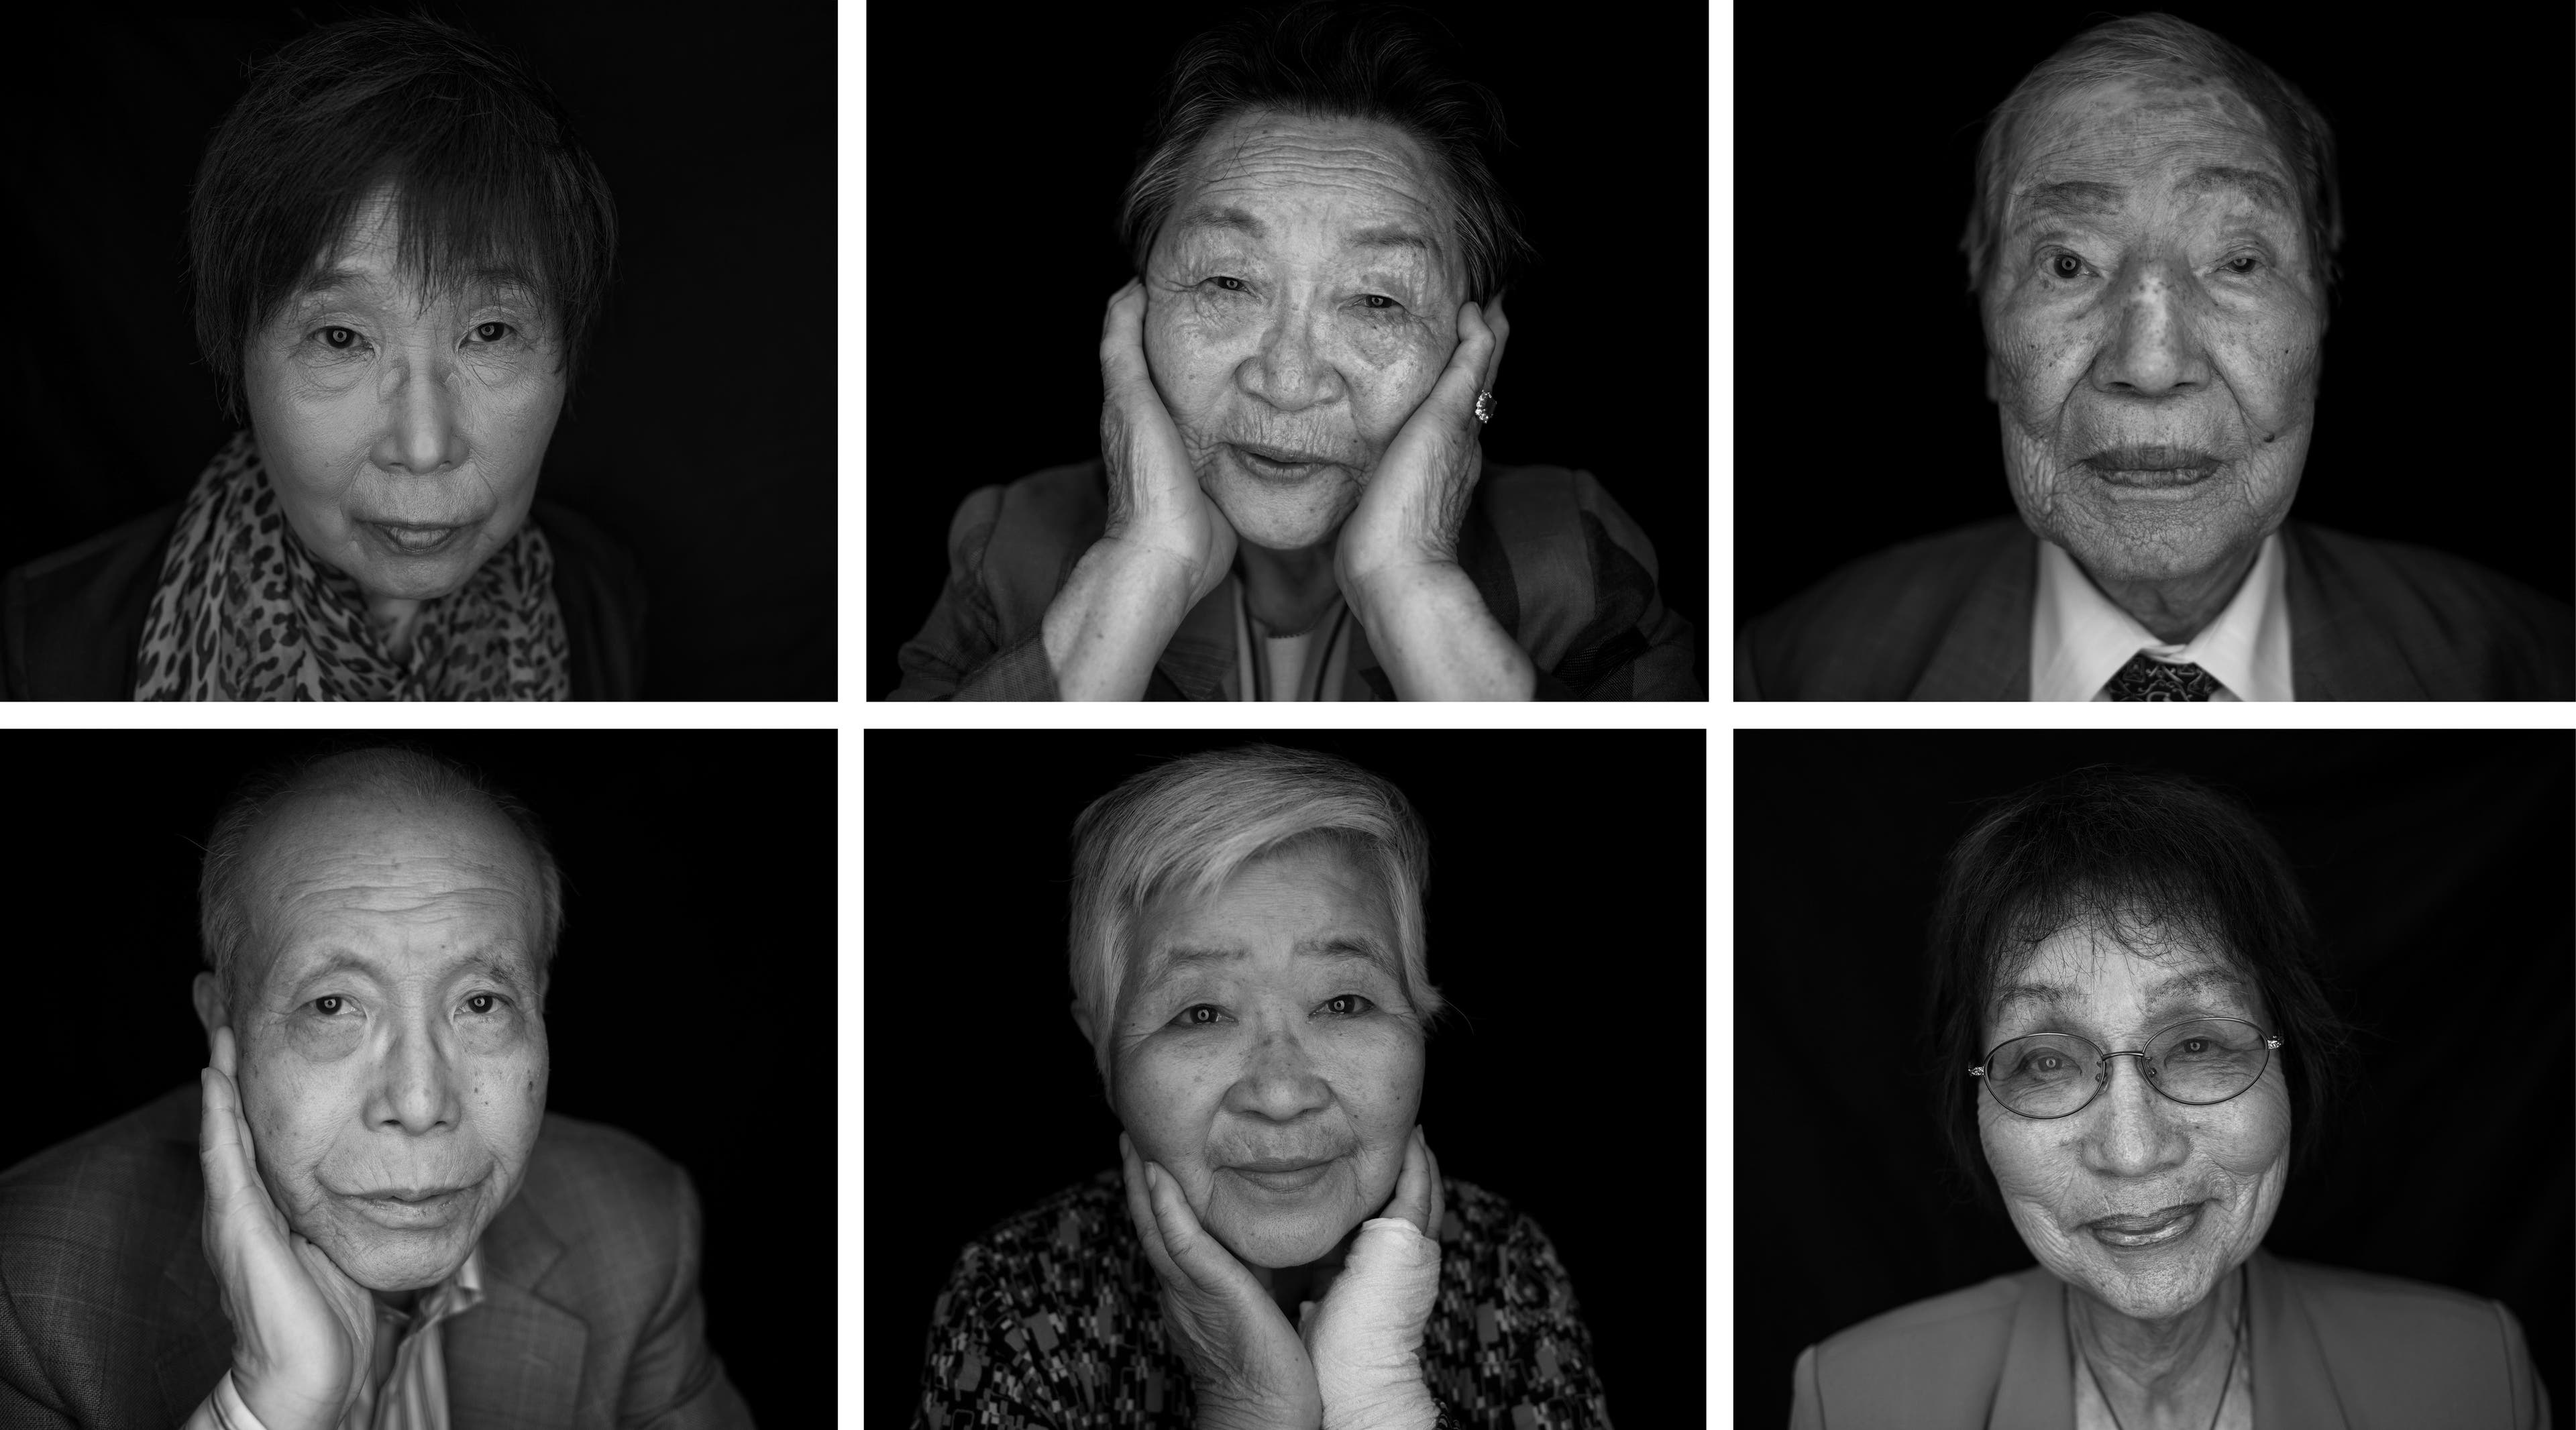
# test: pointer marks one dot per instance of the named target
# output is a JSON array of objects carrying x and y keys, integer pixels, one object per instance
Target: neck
[
  {"x": 2158, "y": 1370},
  {"x": 1288, "y": 591},
  {"x": 399, "y": 1300},
  {"x": 2178, "y": 608},
  {"x": 394, "y": 619}
]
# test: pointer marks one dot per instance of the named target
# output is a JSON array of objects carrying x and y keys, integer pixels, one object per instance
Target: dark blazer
[
  {"x": 110, "y": 1318},
  {"x": 71, "y": 624},
  {"x": 2332, "y": 1350},
  {"x": 1948, "y": 618},
  {"x": 1562, "y": 568}
]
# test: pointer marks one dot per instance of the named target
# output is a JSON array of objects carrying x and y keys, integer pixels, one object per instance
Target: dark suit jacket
[
  {"x": 1948, "y": 618},
  {"x": 71, "y": 624},
  {"x": 2332, "y": 1350},
  {"x": 110, "y": 1318},
  {"x": 1560, "y": 566}
]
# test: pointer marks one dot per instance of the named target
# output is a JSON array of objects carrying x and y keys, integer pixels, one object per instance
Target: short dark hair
[
  {"x": 1327, "y": 58},
  {"x": 2138, "y": 44},
  {"x": 486, "y": 175},
  {"x": 406, "y": 772},
  {"x": 2125, "y": 852}
]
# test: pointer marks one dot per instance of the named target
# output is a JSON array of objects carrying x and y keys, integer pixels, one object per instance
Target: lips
[
  {"x": 2140, "y": 1229},
  {"x": 1283, "y": 1175},
  {"x": 413, "y": 538},
  {"x": 412, "y": 1209},
  {"x": 2152, "y": 465}
]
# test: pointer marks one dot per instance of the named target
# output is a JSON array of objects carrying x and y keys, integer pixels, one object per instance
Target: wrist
[
  {"x": 1118, "y": 609},
  {"x": 1387, "y": 592}
]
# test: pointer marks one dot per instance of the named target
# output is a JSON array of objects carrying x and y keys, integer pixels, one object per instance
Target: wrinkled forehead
[
  {"x": 2099, "y": 970},
  {"x": 348, "y": 858},
  {"x": 2150, "y": 131},
  {"x": 1277, "y": 178}
]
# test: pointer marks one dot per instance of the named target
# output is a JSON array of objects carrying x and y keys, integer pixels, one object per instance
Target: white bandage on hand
[{"x": 1365, "y": 1338}]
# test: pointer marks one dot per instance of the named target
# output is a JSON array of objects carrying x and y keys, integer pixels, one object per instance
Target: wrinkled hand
[
  {"x": 1247, "y": 1367},
  {"x": 1365, "y": 1336},
  {"x": 1157, "y": 510},
  {"x": 1409, "y": 515},
  {"x": 303, "y": 1332}
]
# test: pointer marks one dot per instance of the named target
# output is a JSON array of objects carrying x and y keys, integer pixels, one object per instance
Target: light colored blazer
[
  {"x": 2332, "y": 1350},
  {"x": 110, "y": 1317}
]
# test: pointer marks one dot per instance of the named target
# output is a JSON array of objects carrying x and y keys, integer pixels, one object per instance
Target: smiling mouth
[
  {"x": 1276, "y": 464},
  {"x": 1282, "y": 1175},
  {"x": 2152, "y": 467},
  {"x": 2148, "y": 1229},
  {"x": 411, "y": 539},
  {"x": 409, "y": 1210}
]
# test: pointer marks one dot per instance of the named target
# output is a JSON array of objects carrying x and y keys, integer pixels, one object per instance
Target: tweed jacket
[
  {"x": 1559, "y": 565},
  {"x": 110, "y": 1318},
  {"x": 2331, "y": 1350},
  {"x": 1948, "y": 618}
]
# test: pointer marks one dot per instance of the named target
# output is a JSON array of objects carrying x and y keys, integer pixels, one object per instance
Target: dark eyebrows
[
  {"x": 1223, "y": 217},
  {"x": 2070, "y": 198},
  {"x": 2164, "y": 990},
  {"x": 487, "y": 965},
  {"x": 2263, "y": 189}
]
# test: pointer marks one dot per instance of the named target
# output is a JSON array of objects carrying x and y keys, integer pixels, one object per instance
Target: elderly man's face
[
  {"x": 392, "y": 1055},
  {"x": 2152, "y": 329},
  {"x": 2132, "y": 1151},
  {"x": 1266, "y": 1058},
  {"x": 403, "y": 442},
  {"x": 1300, "y": 302}
]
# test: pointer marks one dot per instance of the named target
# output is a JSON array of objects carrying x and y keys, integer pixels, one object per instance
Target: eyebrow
[
  {"x": 2263, "y": 189},
  {"x": 1337, "y": 948},
  {"x": 492, "y": 282},
  {"x": 1228, "y": 218},
  {"x": 2164, "y": 990},
  {"x": 486, "y": 964},
  {"x": 2091, "y": 198}
]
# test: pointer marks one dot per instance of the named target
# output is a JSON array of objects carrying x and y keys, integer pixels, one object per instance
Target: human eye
[
  {"x": 1379, "y": 302},
  {"x": 335, "y": 340},
  {"x": 1190, "y": 1017},
  {"x": 1359, "y": 1004},
  {"x": 329, "y": 1005},
  {"x": 504, "y": 331},
  {"x": 2243, "y": 265},
  {"x": 484, "y": 1005},
  {"x": 2061, "y": 265},
  {"x": 1230, "y": 284}
]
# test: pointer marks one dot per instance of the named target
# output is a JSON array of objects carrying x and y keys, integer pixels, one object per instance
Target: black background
[
  {"x": 2437, "y": 865},
  {"x": 1862, "y": 418},
  {"x": 996, "y": 251},
  {"x": 702, "y": 433},
  {"x": 691, "y": 996},
  {"x": 1556, "y": 859}
]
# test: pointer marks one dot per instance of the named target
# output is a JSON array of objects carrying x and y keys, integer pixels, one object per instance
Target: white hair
[{"x": 1183, "y": 828}]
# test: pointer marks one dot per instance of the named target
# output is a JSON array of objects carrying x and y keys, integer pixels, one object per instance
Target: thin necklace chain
[{"x": 2235, "y": 1343}]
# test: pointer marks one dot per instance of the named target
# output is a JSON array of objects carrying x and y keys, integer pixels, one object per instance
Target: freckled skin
[
  {"x": 2133, "y": 1150},
  {"x": 2191, "y": 320},
  {"x": 408, "y": 1081},
  {"x": 1282, "y": 1070},
  {"x": 1292, "y": 354},
  {"x": 423, "y": 419}
]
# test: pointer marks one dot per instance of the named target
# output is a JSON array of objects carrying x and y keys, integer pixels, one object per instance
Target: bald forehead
[{"x": 342, "y": 832}]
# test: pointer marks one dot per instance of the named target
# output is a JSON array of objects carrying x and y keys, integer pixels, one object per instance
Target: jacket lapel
[
  {"x": 1984, "y": 654},
  {"x": 2293, "y": 1390},
  {"x": 515, "y": 1361},
  {"x": 1200, "y": 657},
  {"x": 2037, "y": 1388},
  {"x": 2337, "y": 650},
  {"x": 192, "y": 1342}
]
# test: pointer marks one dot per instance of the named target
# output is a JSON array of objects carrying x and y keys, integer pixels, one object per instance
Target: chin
[
  {"x": 1291, "y": 520},
  {"x": 1276, "y": 1242}
]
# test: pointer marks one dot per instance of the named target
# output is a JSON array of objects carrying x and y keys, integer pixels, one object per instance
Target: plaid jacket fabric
[
  {"x": 110, "y": 1318},
  {"x": 1054, "y": 1318},
  {"x": 1559, "y": 564}
]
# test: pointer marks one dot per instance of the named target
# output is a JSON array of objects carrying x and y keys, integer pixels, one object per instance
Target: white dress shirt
[
  {"x": 1311, "y": 665},
  {"x": 2079, "y": 639},
  {"x": 406, "y": 1388}
]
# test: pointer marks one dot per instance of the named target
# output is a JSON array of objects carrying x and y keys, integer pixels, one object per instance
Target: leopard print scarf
[{"x": 244, "y": 612}]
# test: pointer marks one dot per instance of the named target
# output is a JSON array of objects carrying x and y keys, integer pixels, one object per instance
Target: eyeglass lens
[{"x": 2053, "y": 1074}]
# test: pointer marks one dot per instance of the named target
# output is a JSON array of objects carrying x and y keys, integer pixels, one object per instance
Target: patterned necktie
[{"x": 2146, "y": 678}]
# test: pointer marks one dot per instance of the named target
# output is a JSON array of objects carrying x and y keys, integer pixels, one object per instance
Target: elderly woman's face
[
  {"x": 2152, "y": 328},
  {"x": 2133, "y": 1152},
  {"x": 1301, "y": 300},
  {"x": 1264, "y": 1055},
  {"x": 403, "y": 441},
  {"x": 393, "y": 1058}
]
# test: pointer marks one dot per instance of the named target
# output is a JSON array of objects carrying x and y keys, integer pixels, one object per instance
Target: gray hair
[
  {"x": 224, "y": 916},
  {"x": 1185, "y": 827},
  {"x": 1331, "y": 59},
  {"x": 2128, "y": 49}
]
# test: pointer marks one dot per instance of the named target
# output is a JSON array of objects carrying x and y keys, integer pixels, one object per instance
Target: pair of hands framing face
[
  {"x": 1351, "y": 1363},
  {"x": 303, "y": 1332},
  {"x": 1168, "y": 544}
]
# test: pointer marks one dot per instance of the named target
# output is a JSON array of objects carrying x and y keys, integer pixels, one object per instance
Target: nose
[
  {"x": 1290, "y": 371},
  {"x": 1280, "y": 1082},
  {"x": 2155, "y": 348},
  {"x": 2130, "y": 1131},
  {"x": 421, "y": 435},
  {"x": 415, "y": 1089}
]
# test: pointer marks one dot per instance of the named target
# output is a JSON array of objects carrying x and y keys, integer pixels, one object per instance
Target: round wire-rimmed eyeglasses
[{"x": 2197, "y": 1062}]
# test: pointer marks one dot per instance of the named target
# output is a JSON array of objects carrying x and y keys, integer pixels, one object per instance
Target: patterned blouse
[{"x": 1054, "y": 1319}]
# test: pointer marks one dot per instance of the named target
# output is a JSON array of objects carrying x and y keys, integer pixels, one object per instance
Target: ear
[{"x": 208, "y": 994}]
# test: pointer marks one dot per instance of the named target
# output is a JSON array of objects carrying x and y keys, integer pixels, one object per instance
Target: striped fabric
[{"x": 406, "y": 1388}]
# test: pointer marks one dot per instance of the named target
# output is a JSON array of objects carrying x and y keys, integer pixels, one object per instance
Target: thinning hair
[
  {"x": 227, "y": 917},
  {"x": 486, "y": 181},
  {"x": 1183, "y": 828},
  {"x": 1329, "y": 59},
  {"x": 2137, "y": 47},
  {"x": 2151, "y": 862}
]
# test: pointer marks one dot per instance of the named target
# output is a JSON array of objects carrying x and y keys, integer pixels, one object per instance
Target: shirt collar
[
  {"x": 462, "y": 1291},
  {"x": 2079, "y": 639}
]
